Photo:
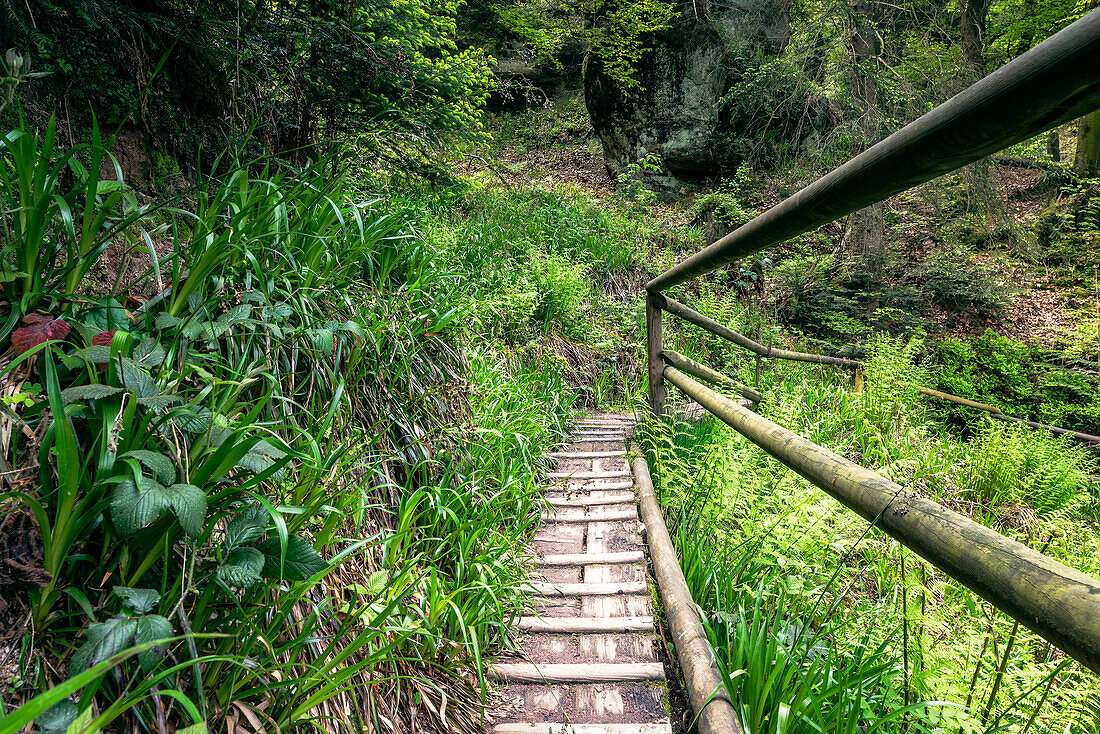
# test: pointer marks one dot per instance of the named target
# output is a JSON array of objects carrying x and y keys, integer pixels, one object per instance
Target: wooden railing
[{"x": 1055, "y": 82}]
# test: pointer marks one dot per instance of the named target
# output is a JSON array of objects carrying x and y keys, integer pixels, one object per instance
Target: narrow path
[{"x": 590, "y": 662}]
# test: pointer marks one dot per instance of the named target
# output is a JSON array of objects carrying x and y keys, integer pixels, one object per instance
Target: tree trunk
[
  {"x": 1088, "y": 145},
  {"x": 972, "y": 15},
  {"x": 866, "y": 235}
]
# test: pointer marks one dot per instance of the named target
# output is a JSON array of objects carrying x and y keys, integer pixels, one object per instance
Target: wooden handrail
[
  {"x": 700, "y": 370},
  {"x": 1055, "y": 601},
  {"x": 1055, "y": 82},
  {"x": 705, "y": 690}
]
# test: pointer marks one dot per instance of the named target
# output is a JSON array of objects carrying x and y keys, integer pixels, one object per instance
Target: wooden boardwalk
[{"x": 589, "y": 663}]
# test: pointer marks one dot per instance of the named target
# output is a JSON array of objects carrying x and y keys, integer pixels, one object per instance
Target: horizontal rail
[
  {"x": 694, "y": 368},
  {"x": 705, "y": 691},
  {"x": 714, "y": 377},
  {"x": 1057, "y": 602},
  {"x": 705, "y": 322},
  {"x": 1055, "y": 82}
]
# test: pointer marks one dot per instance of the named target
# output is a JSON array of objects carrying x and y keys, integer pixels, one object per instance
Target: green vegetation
[
  {"x": 821, "y": 623},
  {"x": 288, "y": 323}
]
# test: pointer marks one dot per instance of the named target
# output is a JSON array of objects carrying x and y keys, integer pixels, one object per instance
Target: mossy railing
[{"x": 1055, "y": 82}]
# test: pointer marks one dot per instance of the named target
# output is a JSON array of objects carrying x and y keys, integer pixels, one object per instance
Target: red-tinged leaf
[
  {"x": 38, "y": 330},
  {"x": 103, "y": 338}
]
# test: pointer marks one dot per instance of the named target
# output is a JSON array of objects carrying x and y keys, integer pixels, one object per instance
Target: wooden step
[
  {"x": 588, "y": 474},
  {"x": 601, "y": 516},
  {"x": 619, "y": 498},
  {"x": 591, "y": 559},
  {"x": 576, "y": 673},
  {"x": 582, "y": 729},
  {"x": 626, "y": 587},
  {"x": 579, "y": 625},
  {"x": 591, "y": 487},
  {"x": 586, "y": 454}
]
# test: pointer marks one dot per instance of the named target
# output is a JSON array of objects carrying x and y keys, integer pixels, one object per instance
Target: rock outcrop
[{"x": 675, "y": 115}]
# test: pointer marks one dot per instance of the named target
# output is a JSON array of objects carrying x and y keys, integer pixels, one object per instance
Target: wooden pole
[
  {"x": 702, "y": 681},
  {"x": 653, "y": 342},
  {"x": 1055, "y": 601},
  {"x": 710, "y": 375},
  {"x": 1055, "y": 82}
]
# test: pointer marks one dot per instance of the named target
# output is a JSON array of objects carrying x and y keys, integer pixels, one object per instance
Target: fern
[{"x": 1011, "y": 464}]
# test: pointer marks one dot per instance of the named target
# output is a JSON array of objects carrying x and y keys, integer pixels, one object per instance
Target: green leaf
[
  {"x": 248, "y": 526},
  {"x": 193, "y": 419},
  {"x": 108, "y": 314},
  {"x": 93, "y": 391},
  {"x": 104, "y": 639},
  {"x": 149, "y": 628},
  {"x": 57, "y": 718},
  {"x": 300, "y": 563},
  {"x": 166, "y": 321},
  {"x": 158, "y": 402},
  {"x": 149, "y": 352},
  {"x": 160, "y": 464},
  {"x": 242, "y": 569},
  {"x": 199, "y": 728},
  {"x": 135, "y": 378},
  {"x": 189, "y": 504},
  {"x": 133, "y": 509},
  {"x": 138, "y": 601},
  {"x": 96, "y": 354}
]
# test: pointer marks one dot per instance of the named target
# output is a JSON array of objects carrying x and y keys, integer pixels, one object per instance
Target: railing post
[{"x": 653, "y": 352}]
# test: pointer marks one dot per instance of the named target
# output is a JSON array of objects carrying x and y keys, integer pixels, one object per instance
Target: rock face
[{"x": 675, "y": 115}]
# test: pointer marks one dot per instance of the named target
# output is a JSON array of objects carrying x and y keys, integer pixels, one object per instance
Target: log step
[
  {"x": 577, "y": 625},
  {"x": 604, "y": 516},
  {"x": 620, "y": 498},
  {"x": 577, "y": 673},
  {"x": 586, "y": 454},
  {"x": 590, "y": 559},
  {"x": 593, "y": 488},
  {"x": 626, "y": 587},
  {"x": 582, "y": 729},
  {"x": 588, "y": 474}
]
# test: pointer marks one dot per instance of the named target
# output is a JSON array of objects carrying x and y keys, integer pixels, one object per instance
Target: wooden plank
[
  {"x": 576, "y": 673},
  {"x": 588, "y": 474},
  {"x": 618, "y": 498},
  {"x": 577, "y": 625},
  {"x": 586, "y": 454},
  {"x": 600, "y": 516},
  {"x": 583, "y": 729},
  {"x": 589, "y": 487},
  {"x": 629, "y": 587},
  {"x": 590, "y": 559}
]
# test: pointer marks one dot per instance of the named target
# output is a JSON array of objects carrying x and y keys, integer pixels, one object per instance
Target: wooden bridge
[{"x": 588, "y": 662}]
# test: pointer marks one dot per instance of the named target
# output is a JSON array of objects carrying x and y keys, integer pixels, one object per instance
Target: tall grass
[
  {"x": 288, "y": 482},
  {"x": 799, "y": 594}
]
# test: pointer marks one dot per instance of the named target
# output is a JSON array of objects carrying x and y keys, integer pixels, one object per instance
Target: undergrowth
[{"x": 820, "y": 623}]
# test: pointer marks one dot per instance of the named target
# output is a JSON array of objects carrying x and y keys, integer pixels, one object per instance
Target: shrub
[
  {"x": 954, "y": 282},
  {"x": 1013, "y": 464}
]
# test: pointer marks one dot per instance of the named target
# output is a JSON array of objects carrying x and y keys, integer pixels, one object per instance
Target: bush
[
  {"x": 954, "y": 282},
  {"x": 1013, "y": 464}
]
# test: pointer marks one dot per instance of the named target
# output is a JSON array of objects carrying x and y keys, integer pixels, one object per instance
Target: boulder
[{"x": 674, "y": 113}]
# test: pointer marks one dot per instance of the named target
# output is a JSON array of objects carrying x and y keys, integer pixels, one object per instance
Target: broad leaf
[
  {"x": 248, "y": 526},
  {"x": 193, "y": 419},
  {"x": 161, "y": 465},
  {"x": 149, "y": 352},
  {"x": 104, "y": 640},
  {"x": 149, "y": 628},
  {"x": 57, "y": 718},
  {"x": 189, "y": 504},
  {"x": 300, "y": 563},
  {"x": 242, "y": 569},
  {"x": 138, "y": 601},
  {"x": 94, "y": 391}
]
